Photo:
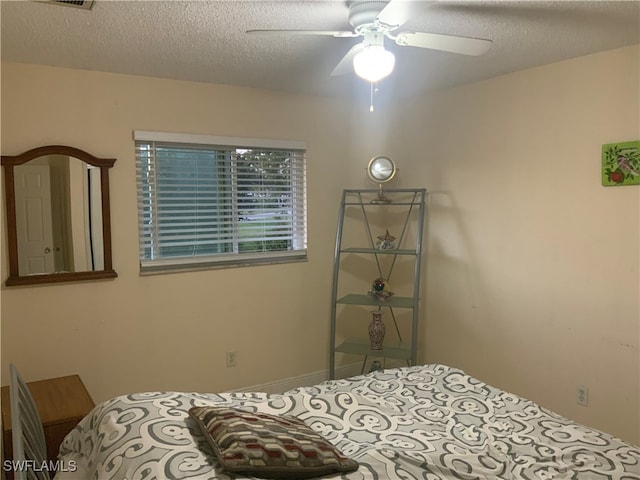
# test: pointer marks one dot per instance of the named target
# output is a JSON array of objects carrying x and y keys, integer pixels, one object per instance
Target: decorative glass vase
[{"x": 376, "y": 330}]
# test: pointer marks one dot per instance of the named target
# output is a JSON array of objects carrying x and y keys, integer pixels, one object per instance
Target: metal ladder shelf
[{"x": 356, "y": 207}]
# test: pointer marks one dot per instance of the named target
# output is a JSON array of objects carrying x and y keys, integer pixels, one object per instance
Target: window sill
[{"x": 219, "y": 264}]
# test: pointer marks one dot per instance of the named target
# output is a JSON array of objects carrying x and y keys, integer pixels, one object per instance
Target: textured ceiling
[{"x": 205, "y": 41}]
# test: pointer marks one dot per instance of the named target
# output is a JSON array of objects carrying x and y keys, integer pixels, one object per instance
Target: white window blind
[{"x": 213, "y": 201}]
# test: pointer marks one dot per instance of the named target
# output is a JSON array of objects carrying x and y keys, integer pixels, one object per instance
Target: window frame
[{"x": 235, "y": 259}]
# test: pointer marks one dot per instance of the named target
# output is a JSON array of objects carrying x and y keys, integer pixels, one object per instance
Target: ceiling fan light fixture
[{"x": 374, "y": 63}]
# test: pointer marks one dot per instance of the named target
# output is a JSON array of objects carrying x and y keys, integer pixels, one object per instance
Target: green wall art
[{"x": 621, "y": 163}]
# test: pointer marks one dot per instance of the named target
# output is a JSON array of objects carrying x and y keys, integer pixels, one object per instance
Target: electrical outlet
[
  {"x": 582, "y": 395},
  {"x": 232, "y": 359}
]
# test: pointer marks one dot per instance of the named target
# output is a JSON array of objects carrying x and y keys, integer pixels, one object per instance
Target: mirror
[
  {"x": 58, "y": 216},
  {"x": 381, "y": 170}
]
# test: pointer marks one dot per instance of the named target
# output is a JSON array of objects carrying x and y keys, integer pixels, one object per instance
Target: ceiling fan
[{"x": 376, "y": 19}]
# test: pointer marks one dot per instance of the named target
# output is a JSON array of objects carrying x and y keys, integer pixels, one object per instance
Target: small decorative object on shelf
[
  {"x": 385, "y": 242},
  {"x": 381, "y": 170},
  {"x": 375, "y": 366},
  {"x": 379, "y": 289},
  {"x": 376, "y": 330}
]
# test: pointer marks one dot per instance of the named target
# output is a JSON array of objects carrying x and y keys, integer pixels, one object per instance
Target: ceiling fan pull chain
[
  {"x": 374, "y": 90},
  {"x": 371, "y": 104}
]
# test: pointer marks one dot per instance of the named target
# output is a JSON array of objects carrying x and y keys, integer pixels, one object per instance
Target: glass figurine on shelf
[
  {"x": 375, "y": 366},
  {"x": 379, "y": 289},
  {"x": 385, "y": 242}
]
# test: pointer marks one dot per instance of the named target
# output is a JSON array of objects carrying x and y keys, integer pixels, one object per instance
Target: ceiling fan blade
[
  {"x": 446, "y": 43},
  {"x": 398, "y": 12},
  {"x": 346, "y": 64},
  {"x": 329, "y": 33}
]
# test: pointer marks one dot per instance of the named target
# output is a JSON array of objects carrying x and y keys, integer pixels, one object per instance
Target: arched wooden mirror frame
[{"x": 11, "y": 161}]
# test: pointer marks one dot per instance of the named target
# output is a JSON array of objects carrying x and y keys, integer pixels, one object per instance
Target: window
[{"x": 212, "y": 201}]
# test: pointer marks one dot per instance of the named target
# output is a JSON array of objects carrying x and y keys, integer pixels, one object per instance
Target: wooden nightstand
[{"x": 62, "y": 402}]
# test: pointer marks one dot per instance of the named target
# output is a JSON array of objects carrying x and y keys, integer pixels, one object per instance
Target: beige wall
[
  {"x": 532, "y": 278},
  {"x": 172, "y": 331}
]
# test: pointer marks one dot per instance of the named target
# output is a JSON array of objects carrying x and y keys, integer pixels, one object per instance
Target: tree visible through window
[{"x": 211, "y": 204}]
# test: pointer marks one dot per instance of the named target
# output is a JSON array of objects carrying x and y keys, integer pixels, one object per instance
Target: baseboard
[
  {"x": 314, "y": 378},
  {"x": 307, "y": 380}
]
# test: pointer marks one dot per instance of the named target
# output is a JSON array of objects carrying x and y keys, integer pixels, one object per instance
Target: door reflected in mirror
[{"x": 58, "y": 216}]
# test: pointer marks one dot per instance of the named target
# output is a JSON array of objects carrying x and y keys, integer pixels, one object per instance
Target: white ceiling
[{"x": 205, "y": 41}]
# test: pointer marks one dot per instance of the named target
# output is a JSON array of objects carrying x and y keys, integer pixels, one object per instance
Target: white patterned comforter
[{"x": 429, "y": 422}]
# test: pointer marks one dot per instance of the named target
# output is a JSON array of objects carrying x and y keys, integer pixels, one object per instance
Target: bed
[{"x": 428, "y": 422}]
